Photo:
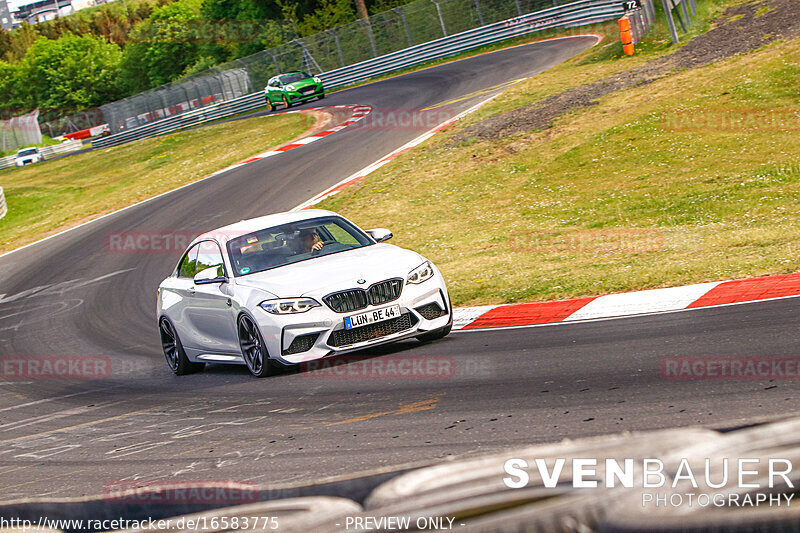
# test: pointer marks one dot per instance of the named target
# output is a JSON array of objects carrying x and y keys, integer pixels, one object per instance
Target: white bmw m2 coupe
[{"x": 294, "y": 287}]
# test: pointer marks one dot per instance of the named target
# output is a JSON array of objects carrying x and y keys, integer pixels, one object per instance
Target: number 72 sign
[{"x": 631, "y": 5}]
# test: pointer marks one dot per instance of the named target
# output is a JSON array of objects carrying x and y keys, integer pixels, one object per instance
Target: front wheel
[
  {"x": 270, "y": 105},
  {"x": 173, "y": 350},
  {"x": 435, "y": 335},
  {"x": 286, "y": 102},
  {"x": 254, "y": 352}
]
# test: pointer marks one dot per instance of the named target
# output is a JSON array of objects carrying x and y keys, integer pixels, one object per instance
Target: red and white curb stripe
[
  {"x": 359, "y": 112},
  {"x": 627, "y": 304}
]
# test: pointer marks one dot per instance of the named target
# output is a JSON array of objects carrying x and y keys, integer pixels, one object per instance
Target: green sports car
[{"x": 292, "y": 88}]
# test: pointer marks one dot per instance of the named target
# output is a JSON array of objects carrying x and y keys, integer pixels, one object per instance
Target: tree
[
  {"x": 161, "y": 48},
  {"x": 361, "y": 7},
  {"x": 69, "y": 74},
  {"x": 10, "y": 88},
  {"x": 329, "y": 14}
]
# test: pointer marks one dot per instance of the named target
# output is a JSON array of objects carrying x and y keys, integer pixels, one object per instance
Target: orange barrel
[{"x": 626, "y": 36}]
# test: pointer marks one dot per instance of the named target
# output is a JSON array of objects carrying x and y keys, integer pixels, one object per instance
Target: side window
[
  {"x": 186, "y": 268},
  {"x": 340, "y": 234},
  {"x": 209, "y": 256}
]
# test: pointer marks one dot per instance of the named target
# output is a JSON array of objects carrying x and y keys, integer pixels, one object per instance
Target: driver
[{"x": 309, "y": 241}]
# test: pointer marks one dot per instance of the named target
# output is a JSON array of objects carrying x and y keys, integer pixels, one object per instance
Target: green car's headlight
[
  {"x": 288, "y": 306},
  {"x": 422, "y": 273},
  {"x": 317, "y": 80}
]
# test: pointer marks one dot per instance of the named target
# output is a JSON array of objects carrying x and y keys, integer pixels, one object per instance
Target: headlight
[
  {"x": 290, "y": 87},
  {"x": 317, "y": 80},
  {"x": 288, "y": 306},
  {"x": 421, "y": 273}
]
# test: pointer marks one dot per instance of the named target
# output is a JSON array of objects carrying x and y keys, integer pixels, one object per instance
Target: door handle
[
  {"x": 191, "y": 291},
  {"x": 229, "y": 302}
]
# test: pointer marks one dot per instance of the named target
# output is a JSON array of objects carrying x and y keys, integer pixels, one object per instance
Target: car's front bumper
[
  {"x": 297, "y": 96},
  {"x": 326, "y": 327}
]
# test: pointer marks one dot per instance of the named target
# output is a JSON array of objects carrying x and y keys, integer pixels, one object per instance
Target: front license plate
[{"x": 370, "y": 317}]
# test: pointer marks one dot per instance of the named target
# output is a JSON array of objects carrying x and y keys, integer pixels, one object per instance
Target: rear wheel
[
  {"x": 270, "y": 104},
  {"x": 254, "y": 352},
  {"x": 286, "y": 102},
  {"x": 173, "y": 350}
]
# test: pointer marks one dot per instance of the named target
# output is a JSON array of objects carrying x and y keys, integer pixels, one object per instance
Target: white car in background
[
  {"x": 27, "y": 156},
  {"x": 295, "y": 287}
]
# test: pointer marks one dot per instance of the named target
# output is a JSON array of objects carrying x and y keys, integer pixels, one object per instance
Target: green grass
[
  {"x": 46, "y": 141},
  {"x": 647, "y": 189},
  {"x": 47, "y": 197}
]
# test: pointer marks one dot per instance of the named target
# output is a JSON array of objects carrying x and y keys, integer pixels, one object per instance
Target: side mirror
[
  {"x": 380, "y": 234},
  {"x": 208, "y": 276}
]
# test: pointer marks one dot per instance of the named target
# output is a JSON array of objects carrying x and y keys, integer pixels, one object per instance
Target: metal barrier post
[
  {"x": 686, "y": 14},
  {"x": 368, "y": 29},
  {"x": 670, "y": 21},
  {"x": 405, "y": 24},
  {"x": 480, "y": 15},
  {"x": 3, "y": 208},
  {"x": 441, "y": 19},
  {"x": 338, "y": 46}
]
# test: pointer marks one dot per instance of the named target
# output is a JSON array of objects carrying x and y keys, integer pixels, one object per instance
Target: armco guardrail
[
  {"x": 3, "y": 208},
  {"x": 569, "y": 15},
  {"x": 575, "y": 14},
  {"x": 47, "y": 152},
  {"x": 185, "y": 120}
]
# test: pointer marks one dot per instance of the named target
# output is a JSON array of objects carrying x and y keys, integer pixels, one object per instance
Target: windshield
[
  {"x": 293, "y": 77},
  {"x": 28, "y": 151},
  {"x": 291, "y": 243}
]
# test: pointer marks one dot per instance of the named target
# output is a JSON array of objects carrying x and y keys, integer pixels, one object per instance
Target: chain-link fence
[
  {"x": 20, "y": 131},
  {"x": 418, "y": 22},
  {"x": 60, "y": 125},
  {"x": 208, "y": 87}
]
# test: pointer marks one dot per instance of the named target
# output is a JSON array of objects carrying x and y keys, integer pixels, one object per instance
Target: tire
[
  {"x": 286, "y": 102},
  {"x": 270, "y": 105},
  {"x": 436, "y": 334},
  {"x": 173, "y": 350},
  {"x": 254, "y": 353},
  {"x": 321, "y": 97}
]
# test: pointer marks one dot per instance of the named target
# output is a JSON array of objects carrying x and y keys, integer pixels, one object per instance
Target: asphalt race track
[{"x": 495, "y": 389}]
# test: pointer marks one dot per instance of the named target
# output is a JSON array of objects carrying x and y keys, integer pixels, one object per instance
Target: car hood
[
  {"x": 323, "y": 275},
  {"x": 304, "y": 83}
]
